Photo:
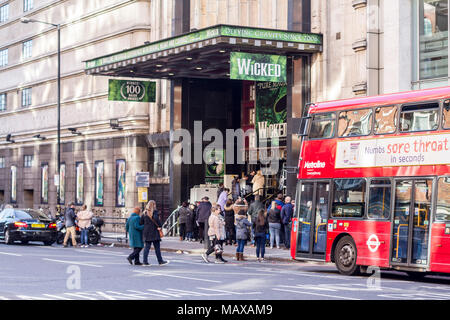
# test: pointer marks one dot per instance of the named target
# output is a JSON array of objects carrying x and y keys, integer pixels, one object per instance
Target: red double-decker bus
[{"x": 374, "y": 183}]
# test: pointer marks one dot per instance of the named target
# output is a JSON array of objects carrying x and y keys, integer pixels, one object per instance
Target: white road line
[
  {"x": 3, "y": 298},
  {"x": 144, "y": 273},
  {"x": 56, "y": 297},
  {"x": 74, "y": 262},
  {"x": 317, "y": 294},
  {"x": 11, "y": 254},
  {"x": 230, "y": 292},
  {"x": 93, "y": 251}
]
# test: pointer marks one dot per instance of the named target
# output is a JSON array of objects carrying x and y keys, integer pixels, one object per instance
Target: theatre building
[{"x": 148, "y": 86}]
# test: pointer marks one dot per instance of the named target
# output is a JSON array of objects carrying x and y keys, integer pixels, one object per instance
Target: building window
[
  {"x": 26, "y": 49},
  {"x": 2, "y": 162},
  {"x": 433, "y": 39},
  {"x": 159, "y": 162},
  {"x": 28, "y": 161},
  {"x": 2, "y": 101},
  {"x": 26, "y": 97},
  {"x": 4, "y": 13},
  {"x": 27, "y": 5},
  {"x": 3, "y": 57}
]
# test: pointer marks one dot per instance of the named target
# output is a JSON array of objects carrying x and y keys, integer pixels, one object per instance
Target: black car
[{"x": 26, "y": 225}]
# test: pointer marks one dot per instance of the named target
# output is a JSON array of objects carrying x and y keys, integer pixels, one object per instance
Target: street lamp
[{"x": 58, "y": 27}]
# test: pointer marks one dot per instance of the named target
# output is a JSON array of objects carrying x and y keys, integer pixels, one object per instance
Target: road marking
[
  {"x": 313, "y": 293},
  {"x": 145, "y": 273},
  {"x": 4, "y": 298},
  {"x": 11, "y": 254},
  {"x": 231, "y": 292},
  {"x": 56, "y": 297},
  {"x": 74, "y": 262},
  {"x": 94, "y": 251}
]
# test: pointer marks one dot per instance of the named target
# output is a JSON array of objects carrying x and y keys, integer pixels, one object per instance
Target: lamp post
[{"x": 58, "y": 27}]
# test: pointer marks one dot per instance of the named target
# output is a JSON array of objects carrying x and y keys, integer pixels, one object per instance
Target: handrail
[{"x": 171, "y": 220}]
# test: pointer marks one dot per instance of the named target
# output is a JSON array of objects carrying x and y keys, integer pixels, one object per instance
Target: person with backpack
[{"x": 242, "y": 233}]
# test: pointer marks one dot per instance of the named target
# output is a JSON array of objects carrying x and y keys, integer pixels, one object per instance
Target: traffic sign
[{"x": 142, "y": 179}]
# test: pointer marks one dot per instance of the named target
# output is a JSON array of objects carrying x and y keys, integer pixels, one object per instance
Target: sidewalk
[{"x": 173, "y": 244}]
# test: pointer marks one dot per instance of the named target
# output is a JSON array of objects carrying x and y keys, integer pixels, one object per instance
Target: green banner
[
  {"x": 257, "y": 67},
  {"x": 271, "y": 112},
  {"x": 133, "y": 91},
  {"x": 215, "y": 165}
]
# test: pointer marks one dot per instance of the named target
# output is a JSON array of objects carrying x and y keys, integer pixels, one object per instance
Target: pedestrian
[
  {"x": 134, "y": 229},
  {"x": 235, "y": 188},
  {"x": 258, "y": 183},
  {"x": 230, "y": 228},
  {"x": 182, "y": 219},
  {"x": 220, "y": 190},
  {"x": 216, "y": 233},
  {"x": 190, "y": 217},
  {"x": 253, "y": 210},
  {"x": 152, "y": 226},
  {"x": 274, "y": 225},
  {"x": 84, "y": 222},
  {"x": 203, "y": 212},
  {"x": 69, "y": 222},
  {"x": 286, "y": 216},
  {"x": 223, "y": 198},
  {"x": 260, "y": 225},
  {"x": 242, "y": 233}
]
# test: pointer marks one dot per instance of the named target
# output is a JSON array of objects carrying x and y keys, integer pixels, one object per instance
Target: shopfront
[{"x": 237, "y": 96}]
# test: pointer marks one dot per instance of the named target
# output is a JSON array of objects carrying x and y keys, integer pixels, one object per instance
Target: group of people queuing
[
  {"x": 82, "y": 219},
  {"x": 233, "y": 221},
  {"x": 143, "y": 232}
]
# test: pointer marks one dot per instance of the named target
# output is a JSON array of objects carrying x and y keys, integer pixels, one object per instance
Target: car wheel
[
  {"x": 345, "y": 256},
  {"x": 94, "y": 239},
  {"x": 8, "y": 239},
  {"x": 60, "y": 238}
]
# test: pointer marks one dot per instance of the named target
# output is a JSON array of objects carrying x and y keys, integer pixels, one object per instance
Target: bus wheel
[{"x": 345, "y": 256}]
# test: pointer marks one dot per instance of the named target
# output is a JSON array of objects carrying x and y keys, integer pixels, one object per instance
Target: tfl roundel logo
[{"x": 373, "y": 243}]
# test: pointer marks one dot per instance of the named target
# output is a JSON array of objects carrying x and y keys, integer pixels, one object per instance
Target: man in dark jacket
[
  {"x": 69, "y": 221},
  {"x": 203, "y": 212},
  {"x": 286, "y": 215},
  {"x": 253, "y": 210}
]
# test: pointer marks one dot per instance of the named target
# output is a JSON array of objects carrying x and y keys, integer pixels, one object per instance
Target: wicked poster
[
  {"x": 271, "y": 113},
  {"x": 44, "y": 183},
  {"x": 120, "y": 183},
  {"x": 99, "y": 173},
  {"x": 79, "y": 188}
]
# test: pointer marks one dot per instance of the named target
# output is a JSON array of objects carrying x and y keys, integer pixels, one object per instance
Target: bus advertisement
[{"x": 374, "y": 183}]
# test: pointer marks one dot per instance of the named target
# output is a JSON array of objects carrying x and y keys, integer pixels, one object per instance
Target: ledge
[
  {"x": 356, "y": 4},
  {"x": 360, "y": 88},
  {"x": 359, "y": 45}
]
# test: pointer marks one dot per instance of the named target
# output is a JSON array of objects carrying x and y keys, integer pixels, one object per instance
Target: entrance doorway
[
  {"x": 412, "y": 214},
  {"x": 313, "y": 216},
  {"x": 28, "y": 198}
]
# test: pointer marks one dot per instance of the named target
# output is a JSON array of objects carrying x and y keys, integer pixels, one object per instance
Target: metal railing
[{"x": 170, "y": 226}]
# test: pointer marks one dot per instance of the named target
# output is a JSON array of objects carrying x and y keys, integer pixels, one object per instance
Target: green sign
[
  {"x": 271, "y": 112},
  {"x": 205, "y": 34},
  {"x": 137, "y": 91},
  {"x": 215, "y": 165},
  {"x": 257, "y": 67}
]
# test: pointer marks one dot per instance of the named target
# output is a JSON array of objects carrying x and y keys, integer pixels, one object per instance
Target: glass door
[
  {"x": 412, "y": 209},
  {"x": 313, "y": 216}
]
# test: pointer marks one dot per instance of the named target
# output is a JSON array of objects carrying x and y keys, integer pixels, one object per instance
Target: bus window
[
  {"x": 322, "y": 126},
  {"x": 355, "y": 123},
  {"x": 423, "y": 117},
  {"x": 385, "y": 120},
  {"x": 443, "y": 201},
  {"x": 446, "y": 115},
  {"x": 349, "y": 197},
  {"x": 379, "y": 199}
]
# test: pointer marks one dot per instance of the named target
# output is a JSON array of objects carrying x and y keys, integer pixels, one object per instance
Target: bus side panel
[
  {"x": 294, "y": 236},
  {"x": 372, "y": 240},
  {"x": 440, "y": 248}
]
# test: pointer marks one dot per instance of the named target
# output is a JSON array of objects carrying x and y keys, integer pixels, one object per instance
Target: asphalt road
[{"x": 102, "y": 273}]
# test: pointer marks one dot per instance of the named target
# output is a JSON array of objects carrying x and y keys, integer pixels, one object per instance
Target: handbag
[{"x": 161, "y": 233}]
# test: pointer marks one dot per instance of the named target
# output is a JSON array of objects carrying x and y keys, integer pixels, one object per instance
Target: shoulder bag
[{"x": 161, "y": 233}]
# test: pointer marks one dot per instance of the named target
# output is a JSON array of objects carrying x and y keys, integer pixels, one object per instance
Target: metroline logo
[{"x": 314, "y": 165}]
